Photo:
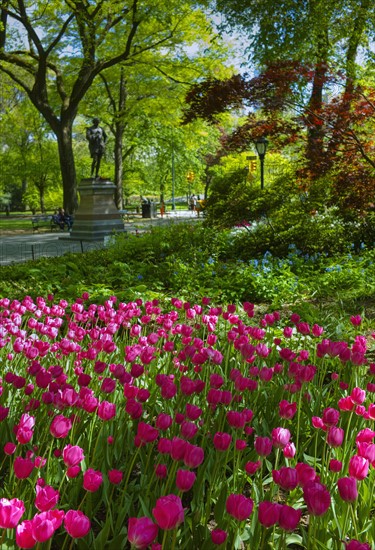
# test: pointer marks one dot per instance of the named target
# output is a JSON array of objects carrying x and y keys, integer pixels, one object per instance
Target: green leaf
[
  {"x": 102, "y": 538},
  {"x": 220, "y": 505}
]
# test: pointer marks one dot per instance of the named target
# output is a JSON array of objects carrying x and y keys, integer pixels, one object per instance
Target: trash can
[{"x": 146, "y": 210}]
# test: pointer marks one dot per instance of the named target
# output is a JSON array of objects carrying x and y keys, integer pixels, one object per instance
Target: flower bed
[{"x": 185, "y": 426}]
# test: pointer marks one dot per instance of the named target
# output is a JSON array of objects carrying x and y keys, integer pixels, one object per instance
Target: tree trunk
[
  {"x": 41, "y": 199},
  {"x": 119, "y": 111},
  {"x": 119, "y": 166},
  {"x": 67, "y": 166},
  {"x": 355, "y": 39},
  {"x": 315, "y": 128}
]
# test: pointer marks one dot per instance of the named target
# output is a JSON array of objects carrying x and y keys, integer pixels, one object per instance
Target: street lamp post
[
  {"x": 261, "y": 147},
  {"x": 173, "y": 179},
  {"x": 190, "y": 177}
]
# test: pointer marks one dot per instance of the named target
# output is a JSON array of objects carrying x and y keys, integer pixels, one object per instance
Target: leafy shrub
[{"x": 194, "y": 260}]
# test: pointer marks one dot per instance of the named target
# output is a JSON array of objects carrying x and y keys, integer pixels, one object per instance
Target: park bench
[
  {"x": 129, "y": 214},
  {"x": 46, "y": 221},
  {"x": 43, "y": 221}
]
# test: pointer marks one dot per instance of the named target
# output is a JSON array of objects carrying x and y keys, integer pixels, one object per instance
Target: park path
[{"x": 21, "y": 247}]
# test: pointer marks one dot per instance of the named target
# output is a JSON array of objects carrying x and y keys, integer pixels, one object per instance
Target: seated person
[{"x": 62, "y": 219}]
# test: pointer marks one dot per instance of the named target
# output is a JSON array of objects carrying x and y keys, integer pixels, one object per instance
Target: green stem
[
  {"x": 83, "y": 500},
  {"x": 354, "y": 520},
  {"x": 343, "y": 531},
  {"x": 174, "y": 538},
  {"x": 299, "y": 419},
  {"x": 163, "y": 544}
]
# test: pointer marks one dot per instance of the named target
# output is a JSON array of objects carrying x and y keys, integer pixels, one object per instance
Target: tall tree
[
  {"x": 321, "y": 33},
  {"x": 28, "y": 155},
  {"x": 55, "y": 51},
  {"x": 138, "y": 97}
]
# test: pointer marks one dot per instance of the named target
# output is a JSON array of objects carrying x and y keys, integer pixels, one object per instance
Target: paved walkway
[{"x": 23, "y": 247}]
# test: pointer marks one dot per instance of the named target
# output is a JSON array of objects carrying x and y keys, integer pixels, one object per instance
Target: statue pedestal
[{"x": 97, "y": 215}]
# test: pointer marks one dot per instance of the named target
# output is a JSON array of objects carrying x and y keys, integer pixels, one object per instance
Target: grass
[{"x": 16, "y": 221}]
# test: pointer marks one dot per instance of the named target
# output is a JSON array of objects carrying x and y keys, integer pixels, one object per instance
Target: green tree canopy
[{"x": 54, "y": 53}]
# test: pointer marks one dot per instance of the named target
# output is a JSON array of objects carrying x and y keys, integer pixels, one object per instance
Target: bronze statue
[{"x": 97, "y": 139}]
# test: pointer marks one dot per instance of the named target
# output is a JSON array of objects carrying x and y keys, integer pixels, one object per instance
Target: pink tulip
[
  {"x": 92, "y": 480},
  {"x": 287, "y": 410},
  {"x": 218, "y": 536},
  {"x": 289, "y": 517},
  {"x": 24, "y": 535},
  {"x": 371, "y": 407},
  {"x": 72, "y": 455},
  {"x": 263, "y": 446},
  {"x": 356, "y": 545},
  {"x": 240, "y": 444},
  {"x": 133, "y": 408},
  {"x": 146, "y": 433},
  {"x": 358, "y": 467},
  {"x": 317, "y": 330},
  {"x": 365, "y": 436},
  {"x": 76, "y": 524},
  {"x": 161, "y": 471},
  {"x": 178, "y": 448},
  {"x": 286, "y": 478},
  {"x": 216, "y": 381},
  {"x": 345, "y": 404},
  {"x": 236, "y": 419},
  {"x": 347, "y": 487},
  {"x": 11, "y": 512},
  {"x": 280, "y": 437},
  {"x": 108, "y": 385},
  {"x": 164, "y": 421},
  {"x": 252, "y": 467},
  {"x": 289, "y": 451},
  {"x": 193, "y": 456},
  {"x": 115, "y": 476},
  {"x": 73, "y": 471},
  {"x": 141, "y": 532},
  {"x": 46, "y": 523},
  {"x": 185, "y": 480},
  {"x": 60, "y": 426},
  {"x": 268, "y": 513},
  {"x": 317, "y": 423},
  {"x": 367, "y": 450},
  {"x": 9, "y": 448},
  {"x": 46, "y": 498},
  {"x": 22, "y": 467},
  {"x": 330, "y": 416},
  {"x": 317, "y": 498},
  {"x": 188, "y": 429},
  {"x": 106, "y": 411},
  {"x": 165, "y": 446},
  {"x": 358, "y": 395},
  {"x": 239, "y": 506},
  {"x": 193, "y": 412},
  {"x": 40, "y": 462},
  {"x": 221, "y": 441},
  {"x": 335, "y": 436},
  {"x": 335, "y": 465},
  {"x": 168, "y": 512},
  {"x": 24, "y": 430}
]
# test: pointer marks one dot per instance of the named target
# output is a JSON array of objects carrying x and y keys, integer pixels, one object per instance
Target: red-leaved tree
[{"x": 334, "y": 135}]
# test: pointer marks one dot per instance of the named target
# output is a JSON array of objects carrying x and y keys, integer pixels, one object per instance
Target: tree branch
[
  {"x": 29, "y": 28},
  {"x": 59, "y": 35}
]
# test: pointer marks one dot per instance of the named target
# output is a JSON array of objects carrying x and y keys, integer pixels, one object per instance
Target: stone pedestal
[{"x": 97, "y": 215}]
